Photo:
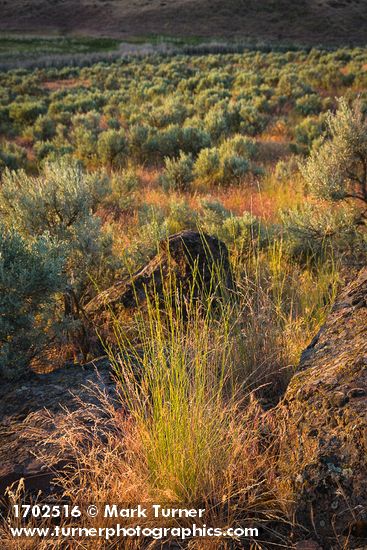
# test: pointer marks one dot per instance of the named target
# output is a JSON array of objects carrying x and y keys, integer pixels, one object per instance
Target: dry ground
[{"x": 301, "y": 21}]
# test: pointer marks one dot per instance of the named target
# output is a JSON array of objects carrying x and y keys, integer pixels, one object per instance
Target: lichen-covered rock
[
  {"x": 186, "y": 259},
  {"x": 323, "y": 447}
]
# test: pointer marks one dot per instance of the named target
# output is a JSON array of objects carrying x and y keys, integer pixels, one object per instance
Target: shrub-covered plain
[
  {"x": 267, "y": 152},
  {"x": 106, "y": 160}
]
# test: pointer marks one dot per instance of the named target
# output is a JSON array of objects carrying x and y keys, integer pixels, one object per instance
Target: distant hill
[{"x": 312, "y": 22}]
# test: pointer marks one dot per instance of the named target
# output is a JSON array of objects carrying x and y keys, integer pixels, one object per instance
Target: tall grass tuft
[
  {"x": 177, "y": 384},
  {"x": 182, "y": 432}
]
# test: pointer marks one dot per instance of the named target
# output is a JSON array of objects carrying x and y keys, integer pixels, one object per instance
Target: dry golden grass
[{"x": 187, "y": 427}]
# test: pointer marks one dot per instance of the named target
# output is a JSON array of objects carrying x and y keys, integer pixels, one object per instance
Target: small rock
[{"x": 357, "y": 392}]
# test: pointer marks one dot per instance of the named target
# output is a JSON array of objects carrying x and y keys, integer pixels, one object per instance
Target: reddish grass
[
  {"x": 53, "y": 85},
  {"x": 242, "y": 199}
]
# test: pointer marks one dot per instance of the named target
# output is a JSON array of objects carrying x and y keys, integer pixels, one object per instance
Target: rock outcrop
[
  {"x": 323, "y": 452},
  {"x": 185, "y": 260},
  {"x": 20, "y": 404}
]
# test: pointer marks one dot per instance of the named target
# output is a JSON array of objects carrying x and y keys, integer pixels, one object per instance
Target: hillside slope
[{"x": 305, "y": 21}]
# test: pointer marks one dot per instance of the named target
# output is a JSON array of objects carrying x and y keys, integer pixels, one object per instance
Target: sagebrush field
[{"x": 267, "y": 151}]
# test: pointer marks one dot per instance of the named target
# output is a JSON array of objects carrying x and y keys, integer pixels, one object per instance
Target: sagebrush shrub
[
  {"x": 26, "y": 112},
  {"x": 225, "y": 164},
  {"x": 31, "y": 272},
  {"x": 193, "y": 139},
  {"x": 338, "y": 169},
  {"x": 124, "y": 185},
  {"x": 177, "y": 173},
  {"x": 112, "y": 148},
  {"x": 207, "y": 165},
  {"x": 310, "y": 104},
  {"x": 239, "y": 145},
  {"x": 217, "y": 123},
  {"x": 43, "y": 129},
  {"x": 252, "y": 120},
  {"x": 12, "y": 156},
  {"x": 139, "y": 141},
  {"x": 309, "y": 133},
  {"x": 61, "y": 203},
  {"x": 315, "y": 231}
]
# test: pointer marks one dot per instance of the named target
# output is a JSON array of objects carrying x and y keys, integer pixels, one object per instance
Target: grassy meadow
[{"x": 101, "y": 162}]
